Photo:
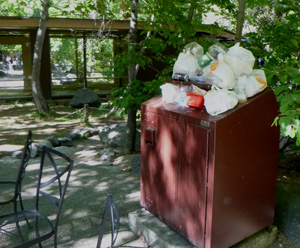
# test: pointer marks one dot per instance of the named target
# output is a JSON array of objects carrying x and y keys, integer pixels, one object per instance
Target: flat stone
[
  {"x": 262, "y": 239},
  {"x": 158, "y": 234},
  {"x": 155, "y": 232}
]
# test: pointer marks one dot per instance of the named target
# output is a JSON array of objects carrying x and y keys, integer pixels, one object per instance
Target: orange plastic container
[{"x": 195, "y": 100}]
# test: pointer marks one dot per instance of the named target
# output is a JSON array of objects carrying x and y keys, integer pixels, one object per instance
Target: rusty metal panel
[
  {"x": 244, "y": 172},
  {"x": 191, "y": 184},
  {"x": 212, "y": 178},
  {"x": 158, "y": 165},
  {"x": 174, "y": 170}
]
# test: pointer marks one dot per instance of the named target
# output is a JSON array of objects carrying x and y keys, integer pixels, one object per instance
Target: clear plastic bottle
[
  {"x": 195, "y": 77},
  {"x": 215, "y": 49},
  {"x": 212, "y": 54}
]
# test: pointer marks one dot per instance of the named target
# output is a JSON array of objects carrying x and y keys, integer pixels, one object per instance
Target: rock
[
  {"x": 106, "y": 154},
  {"x": 46, "y": 143},
  {"x": 35, "y": 147},
  {"x": 17, "y": 154},
  {"x": 65, "y": 141},
  {"x": 103, "y": 129},
  {"x": 85, "y": 96},
  {"x": 53, "y": 140},
  {"x": 85, "y": 133},
  {"x": 94, "y": 131},
  {"x": 115, "y": 135},
  {"x": 74, "y": 135}
]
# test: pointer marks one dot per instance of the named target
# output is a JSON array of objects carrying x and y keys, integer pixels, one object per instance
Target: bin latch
[{"x": 150, "y": 136}]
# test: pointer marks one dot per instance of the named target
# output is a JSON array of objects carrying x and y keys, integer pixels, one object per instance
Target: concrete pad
[
  {"x": 155, "y": 232},
  {"x": 158, "y": 234},
  {"x": 262, "y": 239}
]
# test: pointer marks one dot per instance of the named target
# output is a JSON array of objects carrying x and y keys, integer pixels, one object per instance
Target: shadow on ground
[
  {"x": 92, "y": 180},
  {"x": 85, "y": 199}
]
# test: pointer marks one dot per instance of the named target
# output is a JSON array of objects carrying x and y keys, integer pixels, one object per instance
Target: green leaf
[
  {"x": 294, "y": 42},
  {"x": 275, "y": 122},
  {"x": 296, "y": 80},
  {"x": 298, "y": 137},
  {"x": 292, "y": 133},
  {"x": 283, "y": 78},
  {"x": 279, "y": 89}
]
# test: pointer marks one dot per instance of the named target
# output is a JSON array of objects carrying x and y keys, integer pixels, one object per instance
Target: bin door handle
[{"x": 150, "y": 136}]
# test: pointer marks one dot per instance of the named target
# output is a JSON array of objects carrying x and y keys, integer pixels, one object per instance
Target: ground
[
  {"x": 90, "y": 181},
  {"x": 17, "y": 118}
]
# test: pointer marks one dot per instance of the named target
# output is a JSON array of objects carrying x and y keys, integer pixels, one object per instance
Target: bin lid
[{"x": 198, "y": 116}]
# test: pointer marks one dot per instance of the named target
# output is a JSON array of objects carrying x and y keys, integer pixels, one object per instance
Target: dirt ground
[
  {"x": 90, "y": 182},
  {"x": 17, "y": 118}
]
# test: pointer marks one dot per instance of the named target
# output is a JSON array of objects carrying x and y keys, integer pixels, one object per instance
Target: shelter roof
[
  {"x": 63, "y": 24},
  {"x": 8, "y": 24}
]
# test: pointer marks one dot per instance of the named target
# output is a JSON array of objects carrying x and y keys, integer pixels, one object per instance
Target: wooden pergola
[{"x": 22, "y": 31}]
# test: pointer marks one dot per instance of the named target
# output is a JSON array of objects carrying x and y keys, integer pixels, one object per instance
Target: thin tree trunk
[
  {"x": 131, "y": 120},
  {"x": 38, "y": 96},
  {"x": 240, "y": 20},
  {"x": 191, "y": 12}
]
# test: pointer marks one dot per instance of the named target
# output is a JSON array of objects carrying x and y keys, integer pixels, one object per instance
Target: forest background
[{"x": 269, "y": 28}]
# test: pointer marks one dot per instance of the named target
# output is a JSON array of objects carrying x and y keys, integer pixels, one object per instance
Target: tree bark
[
  {"x": 191, "y": 12},
  {"x": 131, "y": 120},
  {"x": 39, "y": 99},
  {"x": 240, "y": 20}
]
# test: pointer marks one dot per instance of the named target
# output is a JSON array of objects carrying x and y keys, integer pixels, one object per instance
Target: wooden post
[{"x": 86, "y": 113}]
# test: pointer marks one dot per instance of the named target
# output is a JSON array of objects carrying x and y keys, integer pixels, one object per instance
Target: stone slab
[
  {"x": 158, "y": 234},
  {"x": 155, "y": 232}
]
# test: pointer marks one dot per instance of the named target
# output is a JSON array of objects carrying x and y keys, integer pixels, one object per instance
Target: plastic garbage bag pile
[{"x": 229, "y": 72}]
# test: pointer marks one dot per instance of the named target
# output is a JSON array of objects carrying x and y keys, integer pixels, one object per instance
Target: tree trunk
[
  {"x": 131, "y": 120},
  {"x": 38, "y": 96},
  {"x": 191, "y": 12},
  {"x": 240, "y": 20}
]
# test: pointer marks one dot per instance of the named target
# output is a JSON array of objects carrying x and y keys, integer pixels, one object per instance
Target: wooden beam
[{"x": 62, "y": 24}]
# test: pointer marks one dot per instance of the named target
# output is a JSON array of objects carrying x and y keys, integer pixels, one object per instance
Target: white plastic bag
[
  {"x": 172, "y": 93},
  {"x": 186, "y": 63},
  {"x": 169, "y": 92},
  {"x": 240, "y": 60},
  {"x": 223, "y": 72},
  {"x": 217, "y": 101},
  {"x": 252, "y": 84}
]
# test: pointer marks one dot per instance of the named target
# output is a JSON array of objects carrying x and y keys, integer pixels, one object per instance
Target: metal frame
[
  {"x": 112, "y": 211},
  {"x": 30, "y": 227},
  {"x": 15, "y": 186}
]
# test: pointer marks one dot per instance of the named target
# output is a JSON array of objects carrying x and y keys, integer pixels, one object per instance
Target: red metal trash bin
[{"x": 211, "y": 178}]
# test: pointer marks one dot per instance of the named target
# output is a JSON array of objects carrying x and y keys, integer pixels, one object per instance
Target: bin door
[
  {"x": 159, "y": 147},
  {"x": 191, "y": 184},
  {"x": 173, "y": 173}
]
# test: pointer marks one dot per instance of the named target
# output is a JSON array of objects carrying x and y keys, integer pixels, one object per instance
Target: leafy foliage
[
  {"x": 277, "y": 42},
  {"x": 170, "y": 24}
]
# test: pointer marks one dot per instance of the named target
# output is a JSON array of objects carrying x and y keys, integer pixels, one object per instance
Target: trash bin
[{"x": 211, "y": 178}]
